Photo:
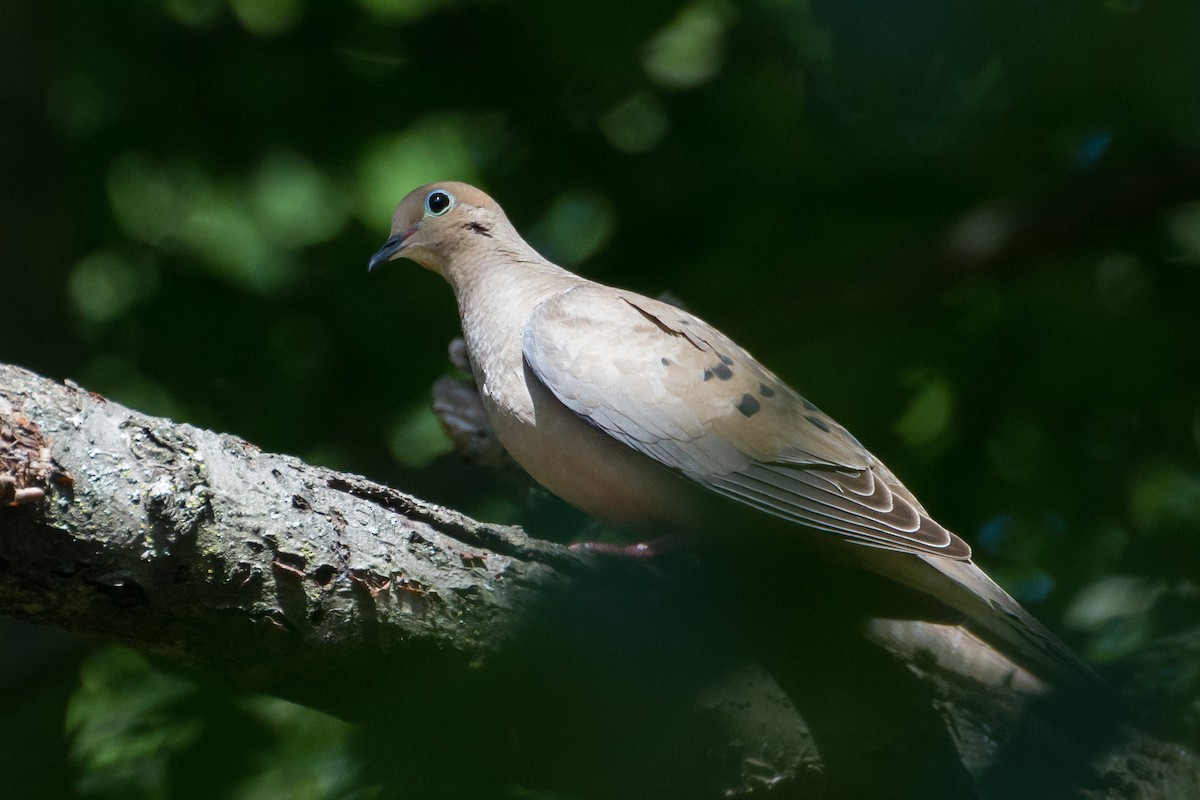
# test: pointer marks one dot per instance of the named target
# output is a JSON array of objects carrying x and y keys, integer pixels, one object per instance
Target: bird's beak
[{"x": 390, "y": 248}]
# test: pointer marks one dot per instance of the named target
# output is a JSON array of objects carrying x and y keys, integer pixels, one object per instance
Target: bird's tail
[{"x": 991, "y": 613}]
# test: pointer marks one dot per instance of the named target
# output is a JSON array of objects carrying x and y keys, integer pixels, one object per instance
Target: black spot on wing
[
  {"x": 722, "y": 371},
  {"x": 817, "y": 421},
  {"x": 726, "y": 360},
  {"x": 666, "y": 362},
  {"x": 765, "y": 391},
  {"x": 748, "y": 406},
  {"x": 808, "y": 405}
]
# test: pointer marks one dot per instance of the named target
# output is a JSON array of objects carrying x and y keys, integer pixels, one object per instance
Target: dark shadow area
[{"x": 628, "y": 686}]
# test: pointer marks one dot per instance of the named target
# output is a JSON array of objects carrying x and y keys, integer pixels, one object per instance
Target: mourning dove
[{"x": 635, "y": 411}]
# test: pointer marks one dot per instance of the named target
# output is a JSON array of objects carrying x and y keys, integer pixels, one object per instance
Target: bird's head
[{"x": 434, "y": 222}]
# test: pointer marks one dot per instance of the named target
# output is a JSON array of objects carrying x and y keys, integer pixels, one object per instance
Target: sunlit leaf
[
  {"x": 268, "y": 17},
  {"x": 576, "y": 225},
  {"x": 417, "y": 438},
  {"x": 122, "y": 726},
  {"x": 134, "y": 729},
  {"x": 401, "y": 10},
  {"x": 294, "y": 203},
  {"x": 1184, "y": 226},
  {"x": 690, "y": 50},
  {"x": 930, "y": 412},
  {"x": 107, "y": 283},
  {"x": 194, "y": 13},
  {"x": 118, "y": 378},
  {"x": 1166, "y": 498},
  {"x": 637, "y": 124}
]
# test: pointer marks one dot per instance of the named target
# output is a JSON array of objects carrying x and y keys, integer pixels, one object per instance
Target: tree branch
[{"x": 689, "y": 677}]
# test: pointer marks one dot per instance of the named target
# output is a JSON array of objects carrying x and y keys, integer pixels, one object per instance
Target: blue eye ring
[{"x": 438, "y": 202}]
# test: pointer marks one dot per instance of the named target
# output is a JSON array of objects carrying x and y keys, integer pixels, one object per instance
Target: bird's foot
[{"x": 639, "y": 550}]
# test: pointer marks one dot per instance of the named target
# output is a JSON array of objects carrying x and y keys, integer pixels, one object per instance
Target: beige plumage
[{"x": 609, "y": 398}]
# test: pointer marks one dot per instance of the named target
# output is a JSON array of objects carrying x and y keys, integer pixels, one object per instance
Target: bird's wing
[{"x": 674, "y": 388}]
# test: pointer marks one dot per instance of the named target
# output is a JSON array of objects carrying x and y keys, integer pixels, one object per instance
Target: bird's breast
[
  {"x": 588, "y": 468},
  {"x": 576, "y": 461}
]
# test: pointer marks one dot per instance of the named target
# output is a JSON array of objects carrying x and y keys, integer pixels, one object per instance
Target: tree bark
[{"x": 482, "y": 656}]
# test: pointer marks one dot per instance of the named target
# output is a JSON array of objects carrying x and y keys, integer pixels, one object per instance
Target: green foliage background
[{"x": 971, "y": 232}]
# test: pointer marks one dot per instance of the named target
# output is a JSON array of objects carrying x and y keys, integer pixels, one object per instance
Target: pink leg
[{"x": 639, "y": 550}]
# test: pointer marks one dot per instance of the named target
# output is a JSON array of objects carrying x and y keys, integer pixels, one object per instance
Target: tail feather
[{"x": 992, "y": 614}]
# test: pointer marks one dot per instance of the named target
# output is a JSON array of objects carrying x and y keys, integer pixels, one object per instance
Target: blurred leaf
[
  {"x": 577, "y": 225},
  {"x": 267, "y": 17},
  {"x": 312, "y": 759},
  {"x": 194, "y": 13},
  {"x": 152, "y": 200},
  {"x": 106, "y": 283},
  {"x": 1118, "y": 612},
  {"x": 401, "y": 10},
  {"x": 1123, "y": 282},
  {"x": 141, "y": 733},
  {"x": 220, "y": 231},
  {"x": 1112, "y": 598},
  {"x": 930, "y": 412},
  {"x": 417, "y": 438},
  {"x": 1184, "y": 226},
  {"x": 177, "y": 204},
  {"x": 691, "y": 49},
  {"x": 1018, "y": 547},
  {"x": 521, "y": 793},
  {"x": 1166, "y": 499},
  {"x": 80, "y": 106},
  {"x": 295, "y": 204},
  {"x": 636, "y": 124},
  {"x": 437, "y": 147},
  {"x": 123, "y": 726},
  {"x": 118, "y": 378}
]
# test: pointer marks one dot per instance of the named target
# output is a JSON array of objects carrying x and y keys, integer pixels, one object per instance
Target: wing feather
[{"x": 677, "y": 390}]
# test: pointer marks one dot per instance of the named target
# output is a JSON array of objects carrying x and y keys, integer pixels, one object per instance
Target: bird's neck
[{"x": 497, "y": 294}]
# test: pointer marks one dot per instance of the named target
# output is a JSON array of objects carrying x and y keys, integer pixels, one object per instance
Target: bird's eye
[{"x": 438, "y": 202}]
